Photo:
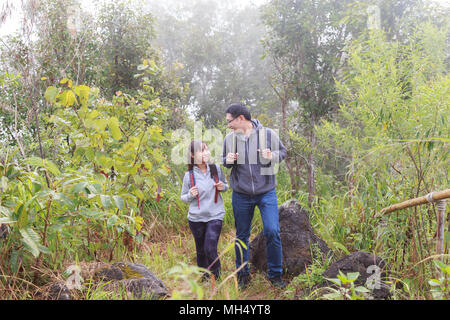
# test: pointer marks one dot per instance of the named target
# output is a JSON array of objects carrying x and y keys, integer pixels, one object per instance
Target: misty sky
[{"x": 12, "y": 23}]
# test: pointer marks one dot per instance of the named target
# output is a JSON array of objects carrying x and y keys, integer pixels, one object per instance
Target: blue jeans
[{"x": 243, "y": 210}]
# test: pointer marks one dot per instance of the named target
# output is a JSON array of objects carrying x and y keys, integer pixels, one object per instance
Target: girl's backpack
[{"x": 214, "y": 175}]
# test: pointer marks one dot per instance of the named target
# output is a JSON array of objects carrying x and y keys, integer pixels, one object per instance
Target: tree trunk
[{"x": 285, "y": 137}]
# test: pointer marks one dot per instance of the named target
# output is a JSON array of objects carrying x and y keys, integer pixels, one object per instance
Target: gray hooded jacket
[
  {"x": 207, "y": 209},
  {"x": 251, "y": 173}
]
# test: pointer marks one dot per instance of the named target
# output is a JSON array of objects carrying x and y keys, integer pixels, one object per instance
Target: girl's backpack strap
[
  {"x": 192, "y": 178},
  {"x": 216, "y": 179}
]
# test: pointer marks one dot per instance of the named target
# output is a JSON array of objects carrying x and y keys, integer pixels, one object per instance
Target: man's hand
[
  {"x": 231, "y": 157},
  {"x": 266, "y": 154},
  {"x": 219, "y": 185},
  {"x": 194, "y": 191}
]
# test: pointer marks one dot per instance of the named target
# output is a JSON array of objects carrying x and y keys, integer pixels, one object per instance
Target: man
[{"x": 252, "y": 152}]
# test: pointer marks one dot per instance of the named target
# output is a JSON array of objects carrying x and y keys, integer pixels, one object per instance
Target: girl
[{"x": 201, "y": 188}]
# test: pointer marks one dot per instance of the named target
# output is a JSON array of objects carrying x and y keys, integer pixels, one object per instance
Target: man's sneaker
[
  {"x": 243, "y": 281},
  {"x": 278, "y": 282}
]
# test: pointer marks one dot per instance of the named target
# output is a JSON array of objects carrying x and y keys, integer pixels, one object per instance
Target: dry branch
[{"x": 431, "y": 197}]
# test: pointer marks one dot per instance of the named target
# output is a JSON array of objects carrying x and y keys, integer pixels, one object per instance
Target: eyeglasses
[{"x": 230, "y": 121}]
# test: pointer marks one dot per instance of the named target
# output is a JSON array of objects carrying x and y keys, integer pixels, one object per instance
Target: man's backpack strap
[
  {"x": 234, "y": 146},
  {"x": 262, "y": 142},
  {"x": 262, "y": 137}
]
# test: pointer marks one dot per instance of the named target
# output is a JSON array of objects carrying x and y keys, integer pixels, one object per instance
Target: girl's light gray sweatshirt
[{"x": 209, "y": 210}]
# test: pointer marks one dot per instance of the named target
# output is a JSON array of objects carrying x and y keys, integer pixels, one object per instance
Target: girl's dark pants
[{"x": 206, "y": 235}]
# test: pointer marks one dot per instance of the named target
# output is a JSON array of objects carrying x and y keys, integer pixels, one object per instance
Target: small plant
[
  {"x": 312, "y": 276},
  {"x": 346, "y": 289},
  {"x": 441, "y": 286},
  {"x": 190, "y": 276}
]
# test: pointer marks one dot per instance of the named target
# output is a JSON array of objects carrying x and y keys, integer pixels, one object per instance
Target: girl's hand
[
  {"x": 194, "y": 191},
  {"x": 219, "y": 185}
]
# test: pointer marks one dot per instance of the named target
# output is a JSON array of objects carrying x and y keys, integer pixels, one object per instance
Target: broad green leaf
[
  {"x": 139, "y": 194},
  {"x": 50, "y": 166},
  {"x": 7, "y": 220},
  {"x": 434, "y": 282},
  {"x": 43, "y": 163},
  {"x": 82, "y": 92},
  {"x": 43, "y": 249},
  {"x": 335, "y": 281},
  {"x": 352, "y": 276},
  {"x": 93, "y": 114},
  {"x": 112, "y": 220},
  {"x": 120, "y": 203},
  {"x": 80, "y": 186},
  {"x": 100, "y": 125},
  {"x": 29, "y": 238},
  {"x": 114, "y": 127},
  {"x": 106, "y": 200},
  {"x": 50, "y": 94},
  {"x": 22, "y": 216},
  {"x": 64, "y": 199},
  {"x": 66, "y": 98}
]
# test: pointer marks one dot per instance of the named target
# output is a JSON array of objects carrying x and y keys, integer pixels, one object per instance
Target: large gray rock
[
  {"x": 297, "y": 237},
  {"x": 136, "y": 279},
  {"x": 368, "y": 265}
]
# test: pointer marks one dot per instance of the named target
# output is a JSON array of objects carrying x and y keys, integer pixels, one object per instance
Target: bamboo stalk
[
  {"x": 440, "y": 229},
  {"x": 431, "y": 197}
]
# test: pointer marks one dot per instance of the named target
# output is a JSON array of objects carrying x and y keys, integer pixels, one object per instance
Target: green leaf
[
  {"x": 106, "y": 200},
  {"x": 120, "y": 203},
  {"x": 82, "y": 92},
  {"x": 362, "y": 289},
  {"x": 43, "y": 163},
  {"x": 352, "y": 276},
  {"x": 50, "y": 166},
  {"x": 100, "y": 125},
  {"x": 139, "y": 194},
  {"x": 80, "y": 186},
  {"x": 112, "y": 221},
  {"x": 7, "y": 220},
  {"x": 50, "y": 94},
  {"x": 66, "y": 98},
  {"x": 434, "y": 282},
  {"x": 439, "y": 264},
  {"x": 22, "y": 217},
  {"x": 3, "y": 184},
  {"x": 114, "y": 127},
  {"x": 341, "y": 246},
  {"x": 31, "y": 241}
]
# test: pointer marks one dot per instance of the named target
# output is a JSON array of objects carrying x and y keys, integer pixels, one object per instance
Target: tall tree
[
  {"x": 126, "y": 33},
  {"x": 219, "y": 46},
  {"x": 306, "y": 41}
]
